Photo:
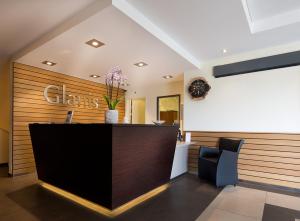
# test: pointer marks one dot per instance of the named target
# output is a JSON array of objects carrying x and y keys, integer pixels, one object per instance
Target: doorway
[
  {"x": 138, "y": 111},
  {"x": 4, "y": 152},
  {"x": 168, "y": 109}
]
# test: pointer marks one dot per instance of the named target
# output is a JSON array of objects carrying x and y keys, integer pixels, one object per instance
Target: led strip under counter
[{"x": 100, "y": 209}]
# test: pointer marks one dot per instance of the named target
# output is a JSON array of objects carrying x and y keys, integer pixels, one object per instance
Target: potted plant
[{"x": 113, "y": 78}]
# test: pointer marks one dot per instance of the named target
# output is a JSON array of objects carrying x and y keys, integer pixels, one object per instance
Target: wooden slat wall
[
  {"x": 29, "y": 105},
  {"x": 269, "y": 158}
]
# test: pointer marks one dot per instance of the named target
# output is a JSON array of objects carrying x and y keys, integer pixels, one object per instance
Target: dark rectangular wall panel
[{"x": 259, "y": 64}]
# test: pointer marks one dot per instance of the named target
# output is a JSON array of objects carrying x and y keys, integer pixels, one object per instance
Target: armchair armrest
[
  {"x": 208, "y": 151},
  {"x": 227, "y": 167}
]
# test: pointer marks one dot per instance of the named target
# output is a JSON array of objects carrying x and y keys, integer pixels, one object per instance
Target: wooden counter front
[{"x": 107, "y": 164}]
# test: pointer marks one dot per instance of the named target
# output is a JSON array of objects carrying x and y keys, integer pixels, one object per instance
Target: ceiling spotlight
[
  {"x": 141, "y": 64},
  {"x": 167, "y": 76},
  {"x": 224, "y": 51},
  {"x": 95, "y": 43},
  {"x": 50, "y": 63},
  {"x": 94, "y": 76}
]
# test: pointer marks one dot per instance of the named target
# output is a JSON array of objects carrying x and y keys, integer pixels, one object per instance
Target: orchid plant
[{"x": 113, "y": 78}]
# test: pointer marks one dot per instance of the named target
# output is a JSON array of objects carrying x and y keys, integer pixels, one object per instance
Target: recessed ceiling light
[
  {"x": 141, "y": 64},
  {"x": 95, "y": 43},
  {"x": 167, "y": 76},
  {"x": 94, "y": 76},
  {"x": 50, "y": 63},
  {"x": 224, "y": 51}
]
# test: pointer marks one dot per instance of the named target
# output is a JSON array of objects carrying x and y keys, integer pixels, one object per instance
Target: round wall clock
[{"x": 198, "y": 88}]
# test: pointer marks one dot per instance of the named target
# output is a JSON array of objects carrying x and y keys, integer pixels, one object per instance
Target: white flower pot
[{"x": 111, "y": 116}]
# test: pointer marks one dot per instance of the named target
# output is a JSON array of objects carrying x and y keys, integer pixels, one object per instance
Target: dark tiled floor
[
  {"x": 24, "y": 200},
  {"x": 276, "y": 213}
]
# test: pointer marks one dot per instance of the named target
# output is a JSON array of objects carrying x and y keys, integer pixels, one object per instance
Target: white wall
[
  {"x": 150, "y": 94},
  {"x": 267, "y": 101}
]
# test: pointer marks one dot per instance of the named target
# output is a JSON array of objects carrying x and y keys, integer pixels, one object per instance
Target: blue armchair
[{"x": 219, "y": 165}]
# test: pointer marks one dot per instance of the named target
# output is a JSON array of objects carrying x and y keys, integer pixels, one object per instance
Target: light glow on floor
[{"x": 100, "y": 209}]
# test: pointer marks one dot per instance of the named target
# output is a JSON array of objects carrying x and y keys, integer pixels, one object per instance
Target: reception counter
[{"x": 107, "y": 167}]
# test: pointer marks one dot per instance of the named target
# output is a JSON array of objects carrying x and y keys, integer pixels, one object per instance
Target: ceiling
[
  {"x": 172, "y": 36},
  {"x": 24, "y": 21},
  {"x": 270, "y": 14},
  {"x": 205, "y": 27},
  {"x": 126, "y": 43},
  {"x": 262, "y": 9}
]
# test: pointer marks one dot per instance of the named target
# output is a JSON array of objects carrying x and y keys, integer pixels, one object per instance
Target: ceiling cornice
[
  {"x": 143, "y": 21},
  {"x": 276, "y": 21}
]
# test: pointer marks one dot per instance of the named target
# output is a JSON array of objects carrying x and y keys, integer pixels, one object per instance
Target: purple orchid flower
[{"x": 114, "y": 76}]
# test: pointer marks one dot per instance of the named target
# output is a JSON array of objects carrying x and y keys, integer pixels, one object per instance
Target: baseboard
[
  {"x": 193, "y": 172},
  {"x": 265, "y": 186},
  {"x": 270, "y": 187}
]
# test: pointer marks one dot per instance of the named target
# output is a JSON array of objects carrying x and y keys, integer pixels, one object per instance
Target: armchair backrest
[{"x": 230, "y": 145}]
